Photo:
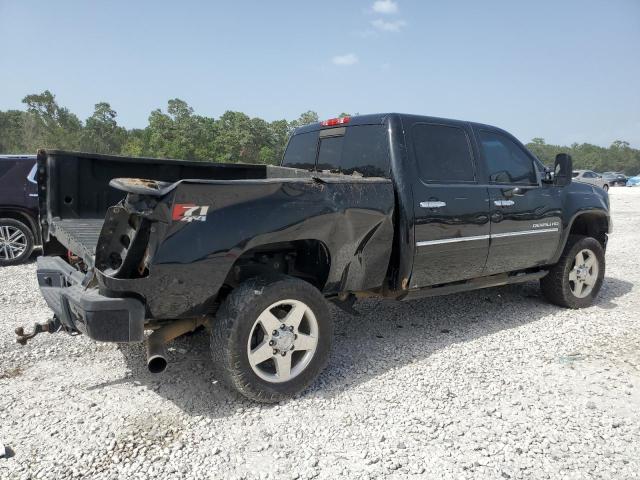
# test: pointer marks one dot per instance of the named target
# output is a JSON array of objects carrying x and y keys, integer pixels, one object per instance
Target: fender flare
[{"x": 599, "y": 213}]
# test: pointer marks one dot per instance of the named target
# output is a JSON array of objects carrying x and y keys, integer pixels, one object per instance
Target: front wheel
[
  {"x": 271, "y": 337},
  {"x": 574, "y": 282},
  {"x": 606, "y": 188}
]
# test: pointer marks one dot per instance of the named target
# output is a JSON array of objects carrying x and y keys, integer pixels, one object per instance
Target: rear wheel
[
  {"x": 606, "y": 188},
  {"x": 16, "y": 241},
  {"x": 271, "y": 337},
  {"x": 575, "y": 280}
]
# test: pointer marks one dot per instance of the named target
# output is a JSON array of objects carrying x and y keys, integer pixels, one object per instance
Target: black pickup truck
[{"x": 388, "y": 205}]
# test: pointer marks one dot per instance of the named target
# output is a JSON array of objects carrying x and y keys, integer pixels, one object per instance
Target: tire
[
  {"x": 562, "y": 285},
  {"x": 16, "y": 242},
  {"x": 248, "y": 327},
  {"x": 605, "y": 188}
]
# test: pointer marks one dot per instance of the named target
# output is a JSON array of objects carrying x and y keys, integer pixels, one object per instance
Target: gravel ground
[{"x": 488, "y": 384}]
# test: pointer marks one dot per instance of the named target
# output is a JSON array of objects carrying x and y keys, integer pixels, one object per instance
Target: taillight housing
[{"x": 332, "y": 122}]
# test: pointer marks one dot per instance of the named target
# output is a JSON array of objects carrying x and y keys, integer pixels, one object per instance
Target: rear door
[
  {"x": 451, "y": 206},
  {"x": 525, "y": 214}
]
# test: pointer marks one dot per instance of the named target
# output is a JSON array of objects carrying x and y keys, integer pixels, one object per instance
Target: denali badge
[
  {"x": 545, "y": 224},
  {"x": 188, "y": 212}
]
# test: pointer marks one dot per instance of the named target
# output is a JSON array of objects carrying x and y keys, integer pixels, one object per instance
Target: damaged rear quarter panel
[{"x": 353, "y": 217}]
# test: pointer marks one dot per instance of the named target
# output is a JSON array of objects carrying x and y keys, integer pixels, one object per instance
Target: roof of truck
[{"x": 379, "y": 118}]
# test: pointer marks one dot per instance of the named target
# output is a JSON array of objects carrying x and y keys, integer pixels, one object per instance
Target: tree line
[{"x": 233, "y": 137}]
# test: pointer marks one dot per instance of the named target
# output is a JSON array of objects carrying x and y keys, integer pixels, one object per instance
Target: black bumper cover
[{"x": 85, "y": 310}]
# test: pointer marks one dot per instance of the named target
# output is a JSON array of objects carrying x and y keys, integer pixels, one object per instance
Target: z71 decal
[{"x": 188, "y": 212}]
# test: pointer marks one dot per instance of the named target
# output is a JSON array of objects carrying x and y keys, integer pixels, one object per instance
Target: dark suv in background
[
  {"x": 19, "y": 230},
  {"x": 615, "y": 178}
]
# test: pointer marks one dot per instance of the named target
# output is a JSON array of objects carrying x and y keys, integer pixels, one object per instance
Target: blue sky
[{"x": 567, "y": 71}]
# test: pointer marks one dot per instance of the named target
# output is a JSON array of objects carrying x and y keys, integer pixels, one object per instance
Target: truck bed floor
[{"x": 79, "y": 235}]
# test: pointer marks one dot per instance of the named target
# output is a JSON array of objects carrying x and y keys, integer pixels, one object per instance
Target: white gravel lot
[{"x": 489, "y": 384}]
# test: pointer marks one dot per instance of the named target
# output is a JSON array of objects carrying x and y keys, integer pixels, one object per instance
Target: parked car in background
[
  {"x": 590, "y": 177},
  {"x": 615, "y": 178},
  {"x": 19, "y": 229},
  {"x": 633, "y": 181}
]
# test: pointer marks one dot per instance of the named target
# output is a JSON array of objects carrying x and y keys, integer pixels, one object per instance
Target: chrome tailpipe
[
  {"x": 156, "y": 357},
  {"x": 157, "y": 341}
]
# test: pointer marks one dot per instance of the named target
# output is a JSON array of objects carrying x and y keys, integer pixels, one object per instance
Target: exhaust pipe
[
  {"x": 156, "y": 357},
  {"x": 157, "y": 341}
]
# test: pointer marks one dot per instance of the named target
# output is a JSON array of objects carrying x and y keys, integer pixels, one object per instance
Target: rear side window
[
  {"x": 506, "y": 161},
  {"x": 443, "y": 153},
  {"x": 362, "y": 150},
  {"x": 301, "y": 151}
]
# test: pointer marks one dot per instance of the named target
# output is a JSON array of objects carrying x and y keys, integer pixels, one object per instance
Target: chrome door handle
[
  {"x": 437, "y": 204},
  {"x": 504, "y": 203}
]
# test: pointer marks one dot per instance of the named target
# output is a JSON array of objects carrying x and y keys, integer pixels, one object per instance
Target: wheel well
[
  {"x": 591, "y": 225},
  {"x": 24, "y": 218},
  {"x": 308, "y": 260}
]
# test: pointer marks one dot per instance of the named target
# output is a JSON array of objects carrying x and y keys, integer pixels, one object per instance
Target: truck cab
[{"x": 471, "y": 198}]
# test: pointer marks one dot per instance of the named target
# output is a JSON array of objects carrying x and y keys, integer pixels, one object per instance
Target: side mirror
[{"x": 563, "y": 170}]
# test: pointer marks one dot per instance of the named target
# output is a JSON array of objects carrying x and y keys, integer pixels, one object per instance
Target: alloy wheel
[
  {"x": 584, "y": 273},
  {"x": 13, "y": 242},
  {"x": 282, "y": 341}
]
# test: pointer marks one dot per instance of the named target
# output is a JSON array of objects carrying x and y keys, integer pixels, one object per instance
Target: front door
[
  {"x": 525, "y": 214},
  {"x": 451, "y": 206}
]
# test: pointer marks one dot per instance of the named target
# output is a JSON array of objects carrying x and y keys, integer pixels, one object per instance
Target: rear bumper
[{"x": 85, "y": 310}]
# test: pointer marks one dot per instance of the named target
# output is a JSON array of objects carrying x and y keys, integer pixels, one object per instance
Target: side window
[
  {"x": 506, "y": 161},
  {"x": 589, "y": 175},
  {"x": 443, "y": 153},
  {"x": 32, "y": 174},
  {"x": 301, "y": 151},
  {"x": 361, "y": 149}
]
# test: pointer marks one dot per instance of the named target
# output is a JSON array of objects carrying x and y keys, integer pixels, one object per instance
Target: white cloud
[
  {"x": 345, "y": 60},
  {"x": 394, "y": 26},
  {"x": 385, "y": 6}
]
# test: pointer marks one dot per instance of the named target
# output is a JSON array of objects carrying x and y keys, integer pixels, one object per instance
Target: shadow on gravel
[{"x": 385, "y": 336}]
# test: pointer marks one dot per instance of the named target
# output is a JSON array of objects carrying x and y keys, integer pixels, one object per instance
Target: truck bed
[{"x": 74, "y": 192}]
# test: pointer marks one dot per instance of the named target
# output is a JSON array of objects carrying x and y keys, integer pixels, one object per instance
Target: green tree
[
  {"x": 305, "y": 119},
  {"x": 179, "y": 133},
  {"x": 235, "y": 137},
  {"x": 12, "y": 132},
  {"x": 101, "y": 133},
  {"x": 50, "y": 125}
]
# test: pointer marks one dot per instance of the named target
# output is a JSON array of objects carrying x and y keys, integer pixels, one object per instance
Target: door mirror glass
[
  {"x": 547, "y": 174},
  {"x": 562, "y": 169}
]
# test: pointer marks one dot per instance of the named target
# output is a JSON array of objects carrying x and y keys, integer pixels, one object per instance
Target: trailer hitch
[{"x": 51, "y": 326}]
